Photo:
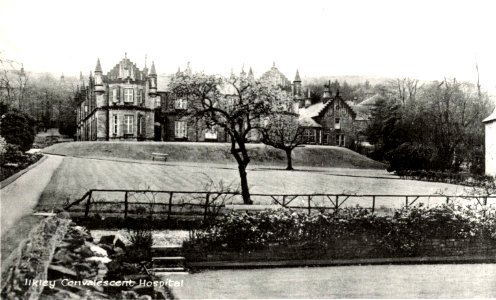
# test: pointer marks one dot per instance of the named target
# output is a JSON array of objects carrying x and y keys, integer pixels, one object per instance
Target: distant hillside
[
  {"x": 350, "y": 79},
  {"x": 316, "y": 156}
]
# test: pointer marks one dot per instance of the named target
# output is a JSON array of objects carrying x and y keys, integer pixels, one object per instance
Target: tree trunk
[
  {"x": 245, "y": 191},
  {"x": 289, "y": 159},
  {"x": 242, "y": 160}
]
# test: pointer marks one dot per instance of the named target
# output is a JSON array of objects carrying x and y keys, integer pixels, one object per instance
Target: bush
[
  {"x": 18, "y": 129},
  {"x": 141, "y": 243},
  {"x": 409, "y": 157},
  {"x": 398, "y": 235}
]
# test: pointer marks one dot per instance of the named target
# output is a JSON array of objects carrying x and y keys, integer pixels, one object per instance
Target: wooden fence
[{"x": 204, "y": 204}]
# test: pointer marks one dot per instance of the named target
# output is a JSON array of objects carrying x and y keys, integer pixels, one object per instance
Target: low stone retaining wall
[{"x": 351, "y": 248}]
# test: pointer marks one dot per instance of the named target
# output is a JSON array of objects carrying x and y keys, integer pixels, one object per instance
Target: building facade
[
  {"x": 119, "y": 105},
  {"x": 490, "y": 144},
  {"x": 125, "y": 104}
]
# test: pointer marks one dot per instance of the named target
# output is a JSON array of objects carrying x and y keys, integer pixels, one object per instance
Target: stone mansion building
[
  {"x": 119, "y": 105},
  {"x": 125, "y": 104}
]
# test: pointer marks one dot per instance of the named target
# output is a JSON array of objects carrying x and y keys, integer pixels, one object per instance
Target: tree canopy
[{"x": 237, "y": 104}]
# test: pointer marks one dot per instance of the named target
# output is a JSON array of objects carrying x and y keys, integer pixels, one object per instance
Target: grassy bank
[{"x": 315, "y": 156}]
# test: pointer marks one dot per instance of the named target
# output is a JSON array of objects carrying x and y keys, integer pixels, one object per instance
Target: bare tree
[{"x": 455, "y": 112}]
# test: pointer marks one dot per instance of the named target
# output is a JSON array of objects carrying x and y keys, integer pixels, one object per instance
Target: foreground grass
[{"x": 317, "y": 156}]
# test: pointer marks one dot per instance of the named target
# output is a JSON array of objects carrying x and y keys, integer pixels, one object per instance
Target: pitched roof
[
  {"x": 313, "y": 110},
  {"x": 491, "y": 117},
  {"x": 308, "y": 122},
  {"x": 370, "y": 100}
]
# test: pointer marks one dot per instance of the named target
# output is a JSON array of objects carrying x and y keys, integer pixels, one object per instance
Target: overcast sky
[{"x": 418, "y": 39}]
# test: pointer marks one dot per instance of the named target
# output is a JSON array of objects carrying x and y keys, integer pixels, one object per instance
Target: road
[
  {"x": 387, "y": 281},
  {"x": 20, "y": 197}
]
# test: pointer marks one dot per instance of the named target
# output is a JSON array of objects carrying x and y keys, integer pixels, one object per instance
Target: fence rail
[{"x": 210, "y": 203}]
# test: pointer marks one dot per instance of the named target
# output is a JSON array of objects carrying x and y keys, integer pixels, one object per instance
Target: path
[
  {"x": 19, "y": 198},
  {"x": 394, "y": 281}
]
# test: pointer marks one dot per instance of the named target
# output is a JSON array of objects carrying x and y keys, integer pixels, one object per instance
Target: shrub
[
  {"x": 409, "y": 157},
  {"x": 3, "y": 146},
  {"x": 18, "y": 128},
  {"x": 141, "y": 243},
  {"x": 13, "y": 154},
  {"x": 399, "y": 235}
]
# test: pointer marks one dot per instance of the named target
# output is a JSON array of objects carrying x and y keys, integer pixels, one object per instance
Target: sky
[{"x": 427, "y": 40}]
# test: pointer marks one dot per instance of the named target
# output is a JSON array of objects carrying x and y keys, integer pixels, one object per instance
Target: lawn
[
  {"x": 317, "y": 156},
  {"x": 77, "y": 175}
]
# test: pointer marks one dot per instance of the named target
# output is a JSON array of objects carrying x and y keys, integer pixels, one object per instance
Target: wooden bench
[{"x": 160, "y": 155}]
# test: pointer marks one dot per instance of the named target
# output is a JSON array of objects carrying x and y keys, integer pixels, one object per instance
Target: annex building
[{"x": 490, "y": 144}]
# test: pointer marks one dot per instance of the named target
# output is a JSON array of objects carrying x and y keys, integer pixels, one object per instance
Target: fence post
[
  {"x": 336, "y": 205},
  {"x": 206, "y": 207},
  {"x": 406, "y": 201},
  {"x": 373, "y": 203},
  {"x": 88, "y": 203},
  {"x": 447, "y": 199},
  {"x": 309, "y": 207},
  {"x": 125, "y": 205},
  {"x": 170, "y": 205}
]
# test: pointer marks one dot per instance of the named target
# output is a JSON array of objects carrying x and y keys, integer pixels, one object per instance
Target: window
[
  {"x": 128, "y": 95},
  {"x": 128, "y": 124},
  {"x": 340, "y": 140},
  {"x": 140, "y": 96},
  {"x": 181, "y": 104},
  {"x": 141, "y": 125},
  {"x": 180, "y": 129},
  {"x": 114, "y": 95},
  {"x": 337, "y": 123},
  {"x": 158, "y": 102},
  {"x": 211, "y": 134},
  {"x": 115, "y": 124},
  {"x": 309, "y": 135}
]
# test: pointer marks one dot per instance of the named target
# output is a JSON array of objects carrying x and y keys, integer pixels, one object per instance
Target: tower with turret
[{"x": 119, "y": 105}]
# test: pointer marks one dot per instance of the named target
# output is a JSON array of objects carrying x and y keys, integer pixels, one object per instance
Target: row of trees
[
  {"x": 46, "y": 99},
  {"x": 436, "y": 125}
]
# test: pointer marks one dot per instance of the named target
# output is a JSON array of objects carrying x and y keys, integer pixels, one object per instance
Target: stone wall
[{"x": 350, "y": 248}]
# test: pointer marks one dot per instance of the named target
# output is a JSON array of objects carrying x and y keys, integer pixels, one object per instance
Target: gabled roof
[
  {"x": 491, "y": 117},
  {"x": 307, "y": 114},
  {"x": 313, "y": 110},
  {"x": 308, "y": 122}
]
